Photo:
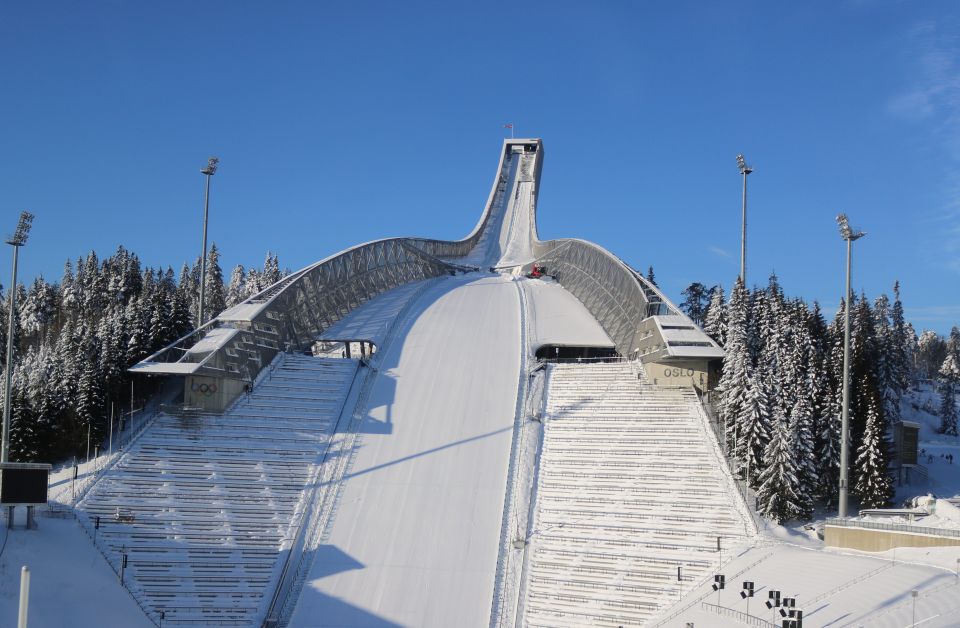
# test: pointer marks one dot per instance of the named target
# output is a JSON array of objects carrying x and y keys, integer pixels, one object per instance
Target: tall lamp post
[
  {"x": 18, "y": 239},
  {"x": 744, "y": 170},
  {"x": 850, "y": 236},
  {"x": 208, "y": 172}
]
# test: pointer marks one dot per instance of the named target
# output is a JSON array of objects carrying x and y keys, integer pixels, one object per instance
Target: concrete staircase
[
  {"x": 630, "y": 488},
  {"x": 205, "y": 506}
]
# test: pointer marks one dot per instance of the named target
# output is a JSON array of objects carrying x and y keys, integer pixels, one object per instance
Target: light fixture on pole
[
  {"x": 850, "y": 236},
  {"x": 744, "y": 170},
  {"x": 209, "y": 171},
  {"x": 18, "y": 239}
]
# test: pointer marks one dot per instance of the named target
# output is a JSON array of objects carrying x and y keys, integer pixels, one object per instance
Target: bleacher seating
[
  {"x": 203, "y": 506},
  {"x": 628, "y": 490}
]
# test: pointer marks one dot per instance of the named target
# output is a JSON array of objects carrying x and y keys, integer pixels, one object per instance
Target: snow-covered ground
[
  {"x": 556, "y": 317},
  {"x": 920, "y": 405},
  {"x": 70, "y": 582},
  {"x": 415, "y": 536},
  {"x": 833, "y": 588}
]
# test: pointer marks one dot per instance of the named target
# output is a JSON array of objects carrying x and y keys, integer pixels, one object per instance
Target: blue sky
[{"x": 338, "y": 123}]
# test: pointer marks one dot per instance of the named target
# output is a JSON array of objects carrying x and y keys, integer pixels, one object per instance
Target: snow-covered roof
[
  {"x": 242, "y": 312},
  {"x": 165, "y": 368},
  {"x": 684, "y": 339},
  {"x": 213, "y": 340}
]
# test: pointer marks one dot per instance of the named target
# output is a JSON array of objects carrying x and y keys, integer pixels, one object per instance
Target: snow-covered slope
[
  {"x": 630, "y": 488},
  {"x": 415, "y": 537},
  {"x": 204, "y": 506}
]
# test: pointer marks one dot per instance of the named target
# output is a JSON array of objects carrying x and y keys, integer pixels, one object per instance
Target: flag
[{"x": 508, "y": 126}]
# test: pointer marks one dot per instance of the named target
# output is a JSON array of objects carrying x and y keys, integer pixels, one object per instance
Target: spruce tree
[
  {"x": 736, "y": 363},
  {"x": 873, "y": 484},
  {"x": 776, "y": 496},
  {"x": 949, "y": 386},
  {"x": 716, "y": 320},
  {"x": 235, "y": 290},
  {"x": 695, "y": 301},
  {"x": 754, "y": 426},
  {"x": 213, "y": 285}
]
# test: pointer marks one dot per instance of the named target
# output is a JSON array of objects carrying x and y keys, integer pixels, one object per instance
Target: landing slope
[{"x": 415, "y": 538}]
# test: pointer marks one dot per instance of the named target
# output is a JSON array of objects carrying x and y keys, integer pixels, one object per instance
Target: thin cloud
[
  {"x": 934, "y": 313},
  {"x": 933, "y": 97},
  {"x": 716, "y": 250}
]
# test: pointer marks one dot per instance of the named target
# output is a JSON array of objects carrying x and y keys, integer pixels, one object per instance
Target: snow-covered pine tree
[
  {"x": 138, "y": 332},
  {"x": 24, "y": 437},
  {"x": 873, "y": 484},
  {"x": 804, "y": 444},
  {"x": 180, "y": 322},
  {"x": 716, "y": 319},
  {"x": 753, "y": 426},
  {"x": 931, "y": 351},
  {"x": 159, "y": 332},
  {"x": 904, "y": 343},
  {"x": 776, "y": 495},
  {"x": 271, "y": 270},
  {"x": 882, "y": 363},
  {"x": 213, "y": 286},
  {"x": 235, "y": 291},
  {"x": 736, "y": 362},
  {"x": 953, "y": 342},
  {"x": 188, "y": 291},
  {"x": 949, "y": 386}
]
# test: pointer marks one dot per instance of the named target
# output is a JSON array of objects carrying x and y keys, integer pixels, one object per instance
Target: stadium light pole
[
  {"x": 18, "y": 239},
  {"x": 209, "y": 171},
  {"x": 850, "y": 236},
  {"x": 744, "y": 171}
]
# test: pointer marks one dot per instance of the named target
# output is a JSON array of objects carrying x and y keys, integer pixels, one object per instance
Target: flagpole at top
[{"x": 509, "y": 125}]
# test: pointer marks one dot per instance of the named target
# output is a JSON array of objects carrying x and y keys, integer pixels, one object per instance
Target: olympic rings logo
[{"x": 204, "y": 389}]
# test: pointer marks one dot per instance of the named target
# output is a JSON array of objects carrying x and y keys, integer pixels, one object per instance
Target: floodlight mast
[
  {"x": 744, "y": 171},
  {"x": 209, "y": 171},
  {"x": 850, "y": 236},
  {"x": 18, "y": 239}
]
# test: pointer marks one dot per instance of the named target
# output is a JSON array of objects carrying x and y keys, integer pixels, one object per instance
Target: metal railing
[
  {"x": 744, "y": 618},
  {"x": 893, "y": 527}
]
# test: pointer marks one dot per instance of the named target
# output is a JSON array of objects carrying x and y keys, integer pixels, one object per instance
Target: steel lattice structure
[{"x": 291, "y": 314}]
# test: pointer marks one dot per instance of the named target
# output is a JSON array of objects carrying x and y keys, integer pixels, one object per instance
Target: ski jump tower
[{"x": 224, "y": 356}]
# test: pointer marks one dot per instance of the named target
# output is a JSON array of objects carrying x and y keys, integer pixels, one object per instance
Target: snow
[
  {"x": 629, "y": 488},
  {"x": 205, "y": 506},
  {"x": 70, "y": 582},
  {"x": 833, "y": 588},
  {"x": 166, "y": 368},
  {"x": 213, "y": 340},
  {"x": 415, "y": 537},
  {"x": 556, "y": 317},
  {"x": 371, "y": 322}
]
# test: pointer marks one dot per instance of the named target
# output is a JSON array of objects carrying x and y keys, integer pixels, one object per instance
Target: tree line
[
  {"x": 780, "y": 394},
  {"x": 75, "y": 339}
]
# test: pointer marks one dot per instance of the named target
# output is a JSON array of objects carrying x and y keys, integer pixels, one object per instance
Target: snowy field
[
  {"x": 71, "y": 584},
  {"x": 833, "y": 588}
]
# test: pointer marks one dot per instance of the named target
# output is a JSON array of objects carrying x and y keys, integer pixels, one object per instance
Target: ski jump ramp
[{"x": 424, "y": 489}]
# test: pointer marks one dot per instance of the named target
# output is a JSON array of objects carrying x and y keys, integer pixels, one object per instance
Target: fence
[
  {"x": 894, "y": 527},
  {"x": 744, "y": 618}
]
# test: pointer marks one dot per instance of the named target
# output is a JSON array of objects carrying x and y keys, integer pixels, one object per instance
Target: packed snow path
[
  {"x": 204, "y": 506},
  {"x": 630, "y": 487},
  {"x": 415, "y": 537}
]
